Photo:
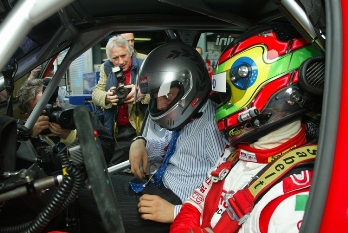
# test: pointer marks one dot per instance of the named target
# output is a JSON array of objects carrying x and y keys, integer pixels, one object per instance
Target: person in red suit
[{"x": 260, "y": 183}]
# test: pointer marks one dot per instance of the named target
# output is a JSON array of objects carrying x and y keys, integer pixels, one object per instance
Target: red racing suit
[{"x": 279, "y": 210}]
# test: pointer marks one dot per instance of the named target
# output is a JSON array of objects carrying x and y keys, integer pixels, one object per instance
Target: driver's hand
[
  {"x": 110, "y": 97},
  {"x": 130, "y": 97},
  {"x": 153, "y": 207},
  {"x": 41, "y": 124},
  {"x": 56, "y": 130},
  {"x": 138, "y": 155}
]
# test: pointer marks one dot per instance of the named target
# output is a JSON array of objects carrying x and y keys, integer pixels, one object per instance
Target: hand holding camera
[
  {"x": 123, "y": 93},
  {"x": 57, "y": 122},
  {"x": 111, "y": 97},
  {"x": 56, "y": 130},
  {"x": 40, "y": 125}
]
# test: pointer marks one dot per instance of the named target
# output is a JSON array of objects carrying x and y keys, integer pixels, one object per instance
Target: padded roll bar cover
[
  {"x": 97, "y": 172},
  {"x": 8, "y": 143}
]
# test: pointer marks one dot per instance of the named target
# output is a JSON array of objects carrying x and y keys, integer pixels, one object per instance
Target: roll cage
[{"x": 80, "y": 24}]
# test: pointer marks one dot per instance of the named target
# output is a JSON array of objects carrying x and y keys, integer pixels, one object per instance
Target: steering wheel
[{"x": 97, "y": 171}]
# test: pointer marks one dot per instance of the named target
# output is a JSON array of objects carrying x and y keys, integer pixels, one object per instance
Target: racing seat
[{"x": 8, "y": 142}]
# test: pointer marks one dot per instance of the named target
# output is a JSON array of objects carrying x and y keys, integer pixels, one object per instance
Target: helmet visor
[
  {"x": 160, "y": 83},
  {"x": 167, "y": 96}
]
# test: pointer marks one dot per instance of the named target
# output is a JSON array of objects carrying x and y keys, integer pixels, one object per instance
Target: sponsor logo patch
[
  {"x": 197, "y": 197},
  {"x": 247, "y": 156}
]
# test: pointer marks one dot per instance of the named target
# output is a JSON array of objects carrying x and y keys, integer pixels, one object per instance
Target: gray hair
[
  {"x": 28, "y": 92},
  {"x": 118, "y": 41}
]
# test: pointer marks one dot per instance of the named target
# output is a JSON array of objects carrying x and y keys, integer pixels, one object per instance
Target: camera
[
  {"x": 121, "y": 91},
  {"x": 64, "y": 118}
]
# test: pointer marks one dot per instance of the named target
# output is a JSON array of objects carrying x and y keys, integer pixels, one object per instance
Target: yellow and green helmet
[{"x": 258, "y": 75}]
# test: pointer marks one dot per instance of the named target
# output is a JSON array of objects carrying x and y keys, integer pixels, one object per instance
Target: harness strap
[
  {"x": 241, "y": 203},
  {"x": 218, "y": 177},
  {"x": 223, "y": 169},
  {"x": 249, "y": 154}
]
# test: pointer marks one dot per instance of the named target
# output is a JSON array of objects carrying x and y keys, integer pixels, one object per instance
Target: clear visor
[{"x": 159, "y": 84}]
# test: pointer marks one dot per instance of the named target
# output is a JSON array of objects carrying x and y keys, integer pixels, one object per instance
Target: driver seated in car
[{"x": 262, "y": 181}]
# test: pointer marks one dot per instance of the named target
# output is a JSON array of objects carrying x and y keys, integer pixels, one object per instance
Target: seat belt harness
[{"x": 241, "y": 203}]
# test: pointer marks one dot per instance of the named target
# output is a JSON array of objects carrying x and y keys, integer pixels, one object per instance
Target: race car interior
[{"x": 34, "y": 32}]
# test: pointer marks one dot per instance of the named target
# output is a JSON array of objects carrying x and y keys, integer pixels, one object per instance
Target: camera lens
[
  {"x": 121, "y": 92},
  {"x": 64, "y": 118}
]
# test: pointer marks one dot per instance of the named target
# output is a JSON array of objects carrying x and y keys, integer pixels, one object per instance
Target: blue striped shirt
[{"x": 198, "y": 147}]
